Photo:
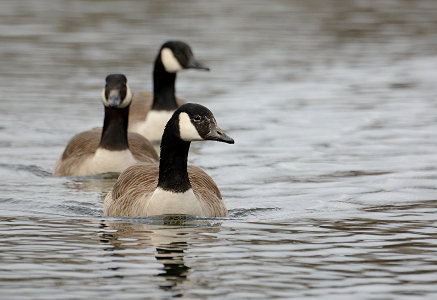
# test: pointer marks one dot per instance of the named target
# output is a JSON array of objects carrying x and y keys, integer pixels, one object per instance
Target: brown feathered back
[
  {"x": 83, "y": 143},
  {"x": 83, "y": 146},
  {"x": 140, "y": 106},
  {"x": 141, "y": 148},
  {"x": 137, "y": 183},
  {"x": 80, "y": 148}
]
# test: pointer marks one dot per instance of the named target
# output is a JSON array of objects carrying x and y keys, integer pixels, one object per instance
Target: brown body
[
  {"x": 83, "y": 146},
  {"x": 137, "y": 183}
]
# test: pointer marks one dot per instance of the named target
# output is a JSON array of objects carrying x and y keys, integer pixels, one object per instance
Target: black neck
[
  {"x": 173, "y": 174},
  {"x": 114, "y": 133},
  {"x": 164, "y": 92}
]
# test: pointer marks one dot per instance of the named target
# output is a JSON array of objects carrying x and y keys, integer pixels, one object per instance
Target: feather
[
  {"x": 82, "y": 147},
  {"x": 135, "y": 186}
]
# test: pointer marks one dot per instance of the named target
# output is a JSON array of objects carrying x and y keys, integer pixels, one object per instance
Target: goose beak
[
  {"x": 194, "y": 64},
  {"x": 216, "y": 134},
  {"x": 114, "y": 98}
]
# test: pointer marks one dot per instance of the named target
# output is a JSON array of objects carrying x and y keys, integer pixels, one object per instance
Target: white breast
[
  {"x": 105, "y": 161},
  {"x": 153, "y": 127},
  {"x": 164, "y": 202}
]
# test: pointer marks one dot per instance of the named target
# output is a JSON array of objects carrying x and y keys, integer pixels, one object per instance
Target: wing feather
[
  {"x": 137, "y": 183},
  {"x": 132, "y": 190},
  {"x": 140, "y": 106},
  {"x": 141, "y": 148},
  {"x": 207, "y": 192},
  {"x": 81, "y": 147},
  {"x": 85, "y": 142}
]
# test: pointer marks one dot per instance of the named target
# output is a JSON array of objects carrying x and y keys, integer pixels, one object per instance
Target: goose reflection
[
  {"x": 167, "y": 242},
  {"x": 101, "y": 183},
  {"x": 172, "y": 257}
]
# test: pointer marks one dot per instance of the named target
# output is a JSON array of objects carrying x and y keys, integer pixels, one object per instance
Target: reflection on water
[
  {"x": 170, "y": 241},
  {"x": 98, "y": 184},
  {"x": 321, "y": 258},
  {"x": 175, "y": 271},
  {"x": 331, "y": 184}
]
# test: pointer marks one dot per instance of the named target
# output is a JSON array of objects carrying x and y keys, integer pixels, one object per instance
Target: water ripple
[{"x": 330, "y": 184}]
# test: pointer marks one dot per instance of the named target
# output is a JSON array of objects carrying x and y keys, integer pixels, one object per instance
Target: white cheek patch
[
  {"x": 104, "y": 100},
  {"x": 187, "y": 131},
  {"x": 127, "y": 100},
  {"x": 169, "y": 61}
]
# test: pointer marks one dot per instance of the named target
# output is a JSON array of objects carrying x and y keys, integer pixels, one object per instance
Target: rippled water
[{"x": 331, "y": 185}]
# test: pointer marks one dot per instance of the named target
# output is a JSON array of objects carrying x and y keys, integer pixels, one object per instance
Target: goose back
[
  {"x": 83, "y": 146},
  {"x": 135, "y": 186}
]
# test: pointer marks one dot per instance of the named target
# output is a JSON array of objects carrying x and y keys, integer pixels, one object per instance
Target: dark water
[{"x": 331, "y": 185}]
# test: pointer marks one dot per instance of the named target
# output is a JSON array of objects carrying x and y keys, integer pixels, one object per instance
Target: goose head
[
  {"x": 195, "y": 122},
  {"x": 116, "y": 93},
  {"x": 176, "y": 56}
]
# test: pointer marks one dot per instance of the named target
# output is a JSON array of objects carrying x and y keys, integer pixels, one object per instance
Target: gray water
[{"x": 331, "y": 184}]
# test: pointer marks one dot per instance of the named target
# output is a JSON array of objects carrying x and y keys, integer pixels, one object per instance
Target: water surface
[{"x": 331, "y": 183}]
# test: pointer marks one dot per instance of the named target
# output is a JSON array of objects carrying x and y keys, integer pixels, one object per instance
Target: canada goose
[
  {"x": 99, "y": 151},
  {"x": 150, "y": 112},
  {"x": 172, "y": 187}
]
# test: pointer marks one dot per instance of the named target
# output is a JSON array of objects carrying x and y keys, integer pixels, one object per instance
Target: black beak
[
  {"x": 114, "y": 99},
  {"x": 216, "y": 134},
  {"x": 194, "y": 64}
]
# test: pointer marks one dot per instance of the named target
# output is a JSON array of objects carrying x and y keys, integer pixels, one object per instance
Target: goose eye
[{"x": 197, "y": 118}]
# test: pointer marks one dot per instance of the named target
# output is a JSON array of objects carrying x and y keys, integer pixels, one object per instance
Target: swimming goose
[
  {"x": 150, "y": 112},
  {"x": 171, "y": 187},
  {"x": 112, "y": 149}
]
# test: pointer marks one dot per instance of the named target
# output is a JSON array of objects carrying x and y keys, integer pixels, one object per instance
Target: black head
[
  {"x": 116, "y": 93},
  {"x": 197, "y": 123},
  {"x": 177, "y": 55}
]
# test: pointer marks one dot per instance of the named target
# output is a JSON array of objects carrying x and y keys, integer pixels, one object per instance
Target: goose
[
  {"x": 150, "y": 112},
  {"x": 172, "y": 187},
  {"x": 110, "y": 149}
]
